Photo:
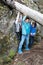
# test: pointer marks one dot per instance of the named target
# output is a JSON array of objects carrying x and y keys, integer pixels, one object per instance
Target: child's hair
[
  {"x": 27, "y": 18},
  {"x": 34, "y": 24}
]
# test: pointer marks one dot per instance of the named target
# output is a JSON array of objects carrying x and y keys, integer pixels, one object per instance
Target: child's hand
[
  {"x": 31, "y": 34},
  {"x": 34, "y": 33}
]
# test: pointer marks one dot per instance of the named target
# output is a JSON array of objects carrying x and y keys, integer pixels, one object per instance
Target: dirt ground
[{"x": 32, "y": 57}]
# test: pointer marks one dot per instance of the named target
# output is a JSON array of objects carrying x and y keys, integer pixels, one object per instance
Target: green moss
[
  {"x": 4, "y": 43},
  {"x": 16, "y": 41},
  {"x": 12, "y": 53},
  {"x": 6, "y": 59},
  {"x": 1, "y": 60}
]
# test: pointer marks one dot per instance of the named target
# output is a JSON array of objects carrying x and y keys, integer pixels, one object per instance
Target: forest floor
[{"x": 31, "y": 57}]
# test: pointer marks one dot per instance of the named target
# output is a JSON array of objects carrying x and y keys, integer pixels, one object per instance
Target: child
[
  {"x": 32, "y": 33},
  {"x": 25, "y": 34},
  {"x": 18, "y": 25}
]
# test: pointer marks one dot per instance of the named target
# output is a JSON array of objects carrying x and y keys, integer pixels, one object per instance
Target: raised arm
[
  {"x": 24, "y": 18},
  {"x": 17, "y": 18}
]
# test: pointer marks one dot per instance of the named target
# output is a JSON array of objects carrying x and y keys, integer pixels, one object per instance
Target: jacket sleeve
[
  {"x": 24, "y": 18},
  {"x": 30, "y": 28},
  {"x": 18, "y": 14}
]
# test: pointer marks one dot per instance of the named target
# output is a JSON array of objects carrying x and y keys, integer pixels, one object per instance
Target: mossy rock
[
  {"x": 12, "y": 53},
  {"x": 4, "y": 44},
  {"x": 6, "y": 59},
  {"x": 16, "y": 42},
  {"x": 1, "y": 60}
]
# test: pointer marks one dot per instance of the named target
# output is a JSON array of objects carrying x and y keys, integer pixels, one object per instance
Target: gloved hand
[{"x": 32, "y": 34}]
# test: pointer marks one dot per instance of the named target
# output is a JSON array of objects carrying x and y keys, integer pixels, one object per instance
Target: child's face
[
  {"x": 33, "y": 25},
  {"x": 27, "y": 20}
]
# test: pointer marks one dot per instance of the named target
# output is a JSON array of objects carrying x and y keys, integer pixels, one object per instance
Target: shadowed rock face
[
  {"x": 7, "y": 16},
  {"x": 40, "y": 4}
]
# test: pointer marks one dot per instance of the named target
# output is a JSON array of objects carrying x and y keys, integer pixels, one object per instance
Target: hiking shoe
[
  {"x": 20, "y": 52},
  {"x": 27, "y": 49}
]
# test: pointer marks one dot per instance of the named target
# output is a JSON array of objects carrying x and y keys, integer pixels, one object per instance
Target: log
[{"x": 35, "y": 15}]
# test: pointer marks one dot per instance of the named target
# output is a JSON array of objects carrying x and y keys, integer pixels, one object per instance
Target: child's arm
[
  {"x": 24, "y": 18},
  {"x": 17, "y": 18},
  {"x": 32, "y": 34},
  {"x": 22, "y": 22}
]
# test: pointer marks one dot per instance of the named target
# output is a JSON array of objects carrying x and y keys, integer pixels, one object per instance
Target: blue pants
[
  {"x": 22, "y": 41},
  {"x": 31, "y": 41}
]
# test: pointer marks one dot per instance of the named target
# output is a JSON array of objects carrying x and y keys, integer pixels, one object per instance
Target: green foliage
[
  {"x": 1, "y": 60},
  {"x": 12, "y": 53},
  {"x": 6, "y": 59}
]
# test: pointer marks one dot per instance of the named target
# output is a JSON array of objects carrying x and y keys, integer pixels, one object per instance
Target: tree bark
[{"x": 35, "y": 15}]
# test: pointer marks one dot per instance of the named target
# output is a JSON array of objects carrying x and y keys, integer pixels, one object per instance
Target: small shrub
[
  {"x": 12, "y": 53},
  {"x": 6, "y": 59}
]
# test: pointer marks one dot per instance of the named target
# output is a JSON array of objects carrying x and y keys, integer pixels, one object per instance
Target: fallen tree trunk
[{"x": 35, "y": 15}]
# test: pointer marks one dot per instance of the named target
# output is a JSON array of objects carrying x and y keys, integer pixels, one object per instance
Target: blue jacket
[
  {"x": 33, "y": 30},
  {"x": 25, "y": 28}
]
